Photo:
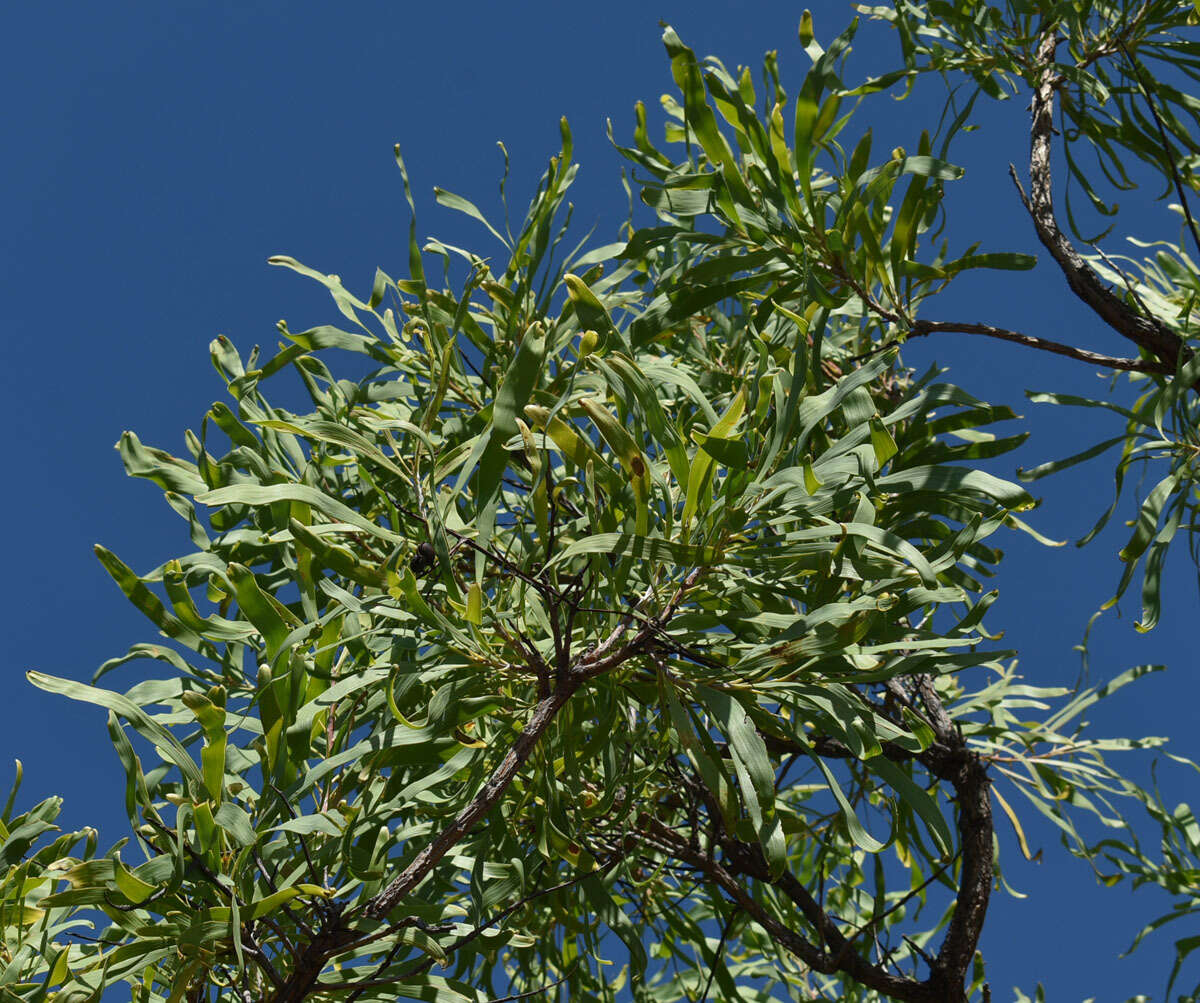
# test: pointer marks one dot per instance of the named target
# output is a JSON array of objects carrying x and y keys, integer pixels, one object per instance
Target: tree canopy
[{"x": 608, "y": 621}]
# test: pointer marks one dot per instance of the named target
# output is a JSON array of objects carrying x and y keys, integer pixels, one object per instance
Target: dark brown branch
[
  {"x": 283, "y": 937},
  {"x": 532, "y": 992},
  {"x": 971, "y": 786},
  {"x": 481, "y": 804},
  {"x": 921, "y": 328},
  {"x": 251, "y": 947},
  {"x": 361, "y": 987},
  {"x": 338, "y": 935},
  {"x": 950, "y": 760},
  {"x": 375, "y": 980},
  {"x": 747, "y": 860},
  {"x": 1145, "y": 332},
  {"x": 607, "y": 655}
]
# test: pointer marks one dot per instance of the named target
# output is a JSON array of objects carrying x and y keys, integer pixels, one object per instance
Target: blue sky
[{"x": 159, "y": 154}]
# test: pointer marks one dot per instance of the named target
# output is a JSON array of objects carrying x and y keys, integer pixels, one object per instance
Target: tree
[{"x": 621, "y": 630}]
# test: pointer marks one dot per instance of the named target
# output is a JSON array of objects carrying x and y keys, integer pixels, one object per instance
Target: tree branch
[
  {"x": 424, "y": 862},
  {"x": 338, "y": 936},
  {"x": 950, "y": 760},
  {"x": 921, "y": 328},
  {"x": 1146, "y": 332},
  {"x": 748, "y": 860},
  {"x": 968, "y": 775},
  {"x": 603, "y": 657},
  {"x": 718, "y": 954}
]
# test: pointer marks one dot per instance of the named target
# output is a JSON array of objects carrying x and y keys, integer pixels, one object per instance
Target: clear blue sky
[{"x": 159, "y": 153}]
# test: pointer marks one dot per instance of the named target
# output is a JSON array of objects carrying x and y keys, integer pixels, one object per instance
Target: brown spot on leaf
[{"x": 639, "y": 468}]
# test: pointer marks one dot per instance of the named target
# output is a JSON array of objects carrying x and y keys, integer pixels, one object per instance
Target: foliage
[{"x": 622, "y": 630}]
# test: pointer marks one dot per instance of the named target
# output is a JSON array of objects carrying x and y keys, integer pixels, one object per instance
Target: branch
[
  {"x": 338, "y": 936},
  {"x": 543, "y": 588},
  {"x": 719, "y": 953},
  {"x": 534, "y": 992},
  {"x": 900, "y": 903},
  {"x": 424, "y": 862},
  {"x": 748, "y": 861},
  {"x": 603, "y": 657},
  {"x": 1146, "y": 332},
  {"x": 921, "y": 328},
  {"x": 971, "y": 787},
  {"x": 950, "y": 760},
  {"x": 375, "y": 980}
]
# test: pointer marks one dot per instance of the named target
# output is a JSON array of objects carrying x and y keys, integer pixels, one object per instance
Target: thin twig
[
  {"x": 534, "y": 992},
  {"x": 921, "y": 328},
  {"x": 270, "y": 883},
  {"x": 1129, "y": 286},
  {"x": 361, "y": 987},
  {"x": 312, "y": 869},
  {"x": 719, "y": 953},
  {"x": 513, "y": 569},
  {"x": 874, "y": 921},
  {"x": 466, "y": 938},
  {"x": 921, "y": 951},
  {"x": 1168, "y": 153}
]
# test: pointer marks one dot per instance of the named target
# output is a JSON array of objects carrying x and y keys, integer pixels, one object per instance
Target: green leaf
[
  {"x": 257, "y": 495},
  {"x": 862, "y": 839},
  {"x": 953, "y": 479},
  {"x": 882, "y": 442},
  {"x": 755, "y": 772},
  {"x": 621, "y": 443},
  {"x": 702, "y": 463},
  {"x": 916, "y": 798},
  {"x": 146, "y": 601},
  {"x": 523, "y": 374},
  {"x": 142, "y": 723},
  {"x": 268, "y": 615},
  {"x": 460, "y": 204}
]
